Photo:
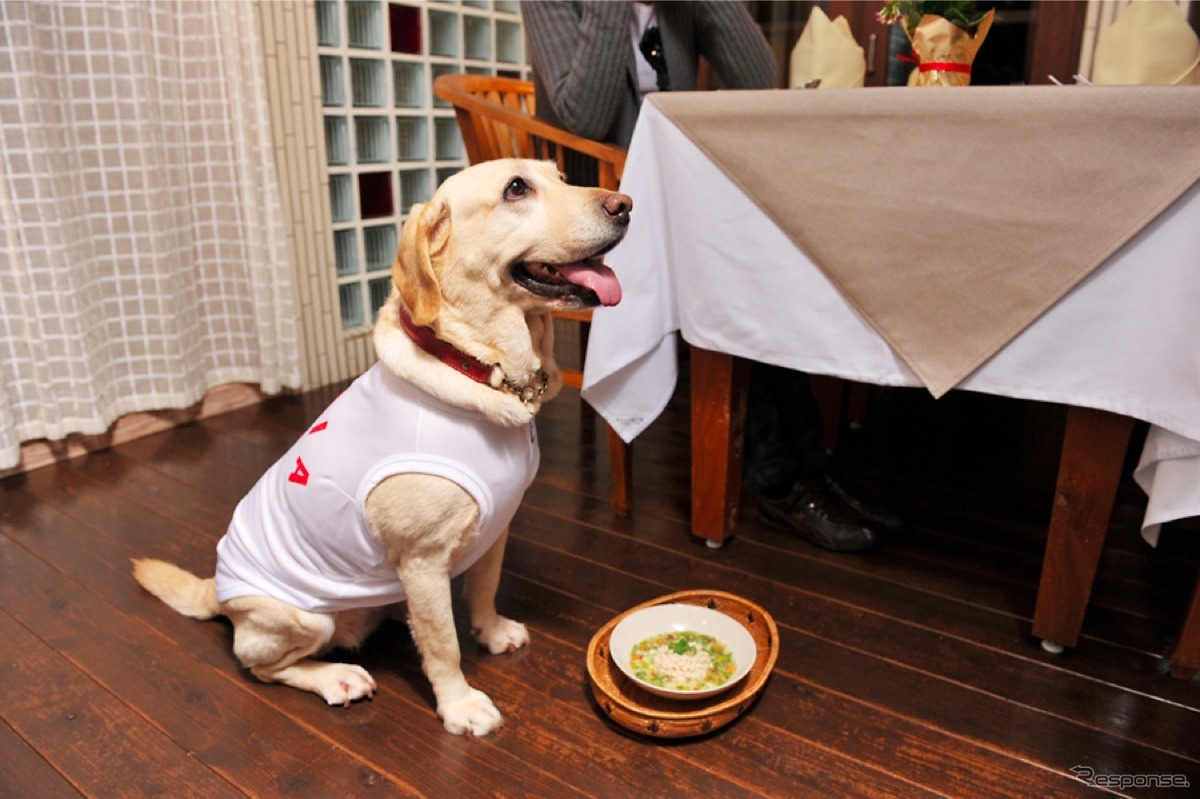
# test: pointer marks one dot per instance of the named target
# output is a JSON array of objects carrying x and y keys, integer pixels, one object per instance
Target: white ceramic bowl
[{"x": 641, "y": 624}]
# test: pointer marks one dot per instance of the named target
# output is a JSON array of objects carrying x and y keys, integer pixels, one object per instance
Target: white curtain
[{"x": 143, "y": 258}]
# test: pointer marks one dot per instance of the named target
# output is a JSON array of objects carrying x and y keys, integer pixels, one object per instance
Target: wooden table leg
[
  {"x": 620, "y": 456},
  {"x": 1185, "y": 660},
  {"x": 719, "y": 390},
  {"x": 1089, "y": 471}
]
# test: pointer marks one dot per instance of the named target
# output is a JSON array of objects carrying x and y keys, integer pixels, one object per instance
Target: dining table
[{"x": 1033, "y": 242}]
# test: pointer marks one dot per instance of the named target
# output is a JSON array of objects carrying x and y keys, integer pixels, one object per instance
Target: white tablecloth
[{"x": 701, "y": 258}]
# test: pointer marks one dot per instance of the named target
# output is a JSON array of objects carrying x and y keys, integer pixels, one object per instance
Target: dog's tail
[{"x": 183, "y": 591}]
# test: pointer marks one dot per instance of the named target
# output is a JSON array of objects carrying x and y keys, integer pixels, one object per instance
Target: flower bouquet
[{"x": 945, "y": 36}]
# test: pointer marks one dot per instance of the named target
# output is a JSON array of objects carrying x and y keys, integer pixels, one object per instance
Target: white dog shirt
[{"x": 299, "y": 535}]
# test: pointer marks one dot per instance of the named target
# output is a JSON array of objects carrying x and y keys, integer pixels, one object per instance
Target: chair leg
[
  {"x": 1185, "y": 660},
  {"x": 587, "y": 414},
  {"x": 620, "y": 456}
]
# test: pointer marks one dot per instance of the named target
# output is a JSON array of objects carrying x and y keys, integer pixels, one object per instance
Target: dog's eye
[{"x": 516, "y": 189}]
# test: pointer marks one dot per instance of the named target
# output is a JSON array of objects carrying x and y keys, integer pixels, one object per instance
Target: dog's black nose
[{"x": 618, "y": 207}]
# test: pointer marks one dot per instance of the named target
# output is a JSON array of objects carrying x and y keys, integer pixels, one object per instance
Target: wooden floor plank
[
  {"x": 95, "y": 741},
  {"x": 26, "y": 774}
]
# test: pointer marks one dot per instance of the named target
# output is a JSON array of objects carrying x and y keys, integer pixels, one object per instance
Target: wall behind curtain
[{"x": 143, "y": 258}]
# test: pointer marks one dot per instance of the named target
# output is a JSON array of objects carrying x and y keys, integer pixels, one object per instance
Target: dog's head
[
  {"x": 482, "y": 264},
  {"x": 509, "y": 232}
]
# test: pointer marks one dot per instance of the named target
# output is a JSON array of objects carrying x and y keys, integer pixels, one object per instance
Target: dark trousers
[{"x": 783, "y": 430}]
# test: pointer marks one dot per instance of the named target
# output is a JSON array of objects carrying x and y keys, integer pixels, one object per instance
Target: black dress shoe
[
  {"x": 883, "y": 517},
  {"x": 821, "y": 517}
]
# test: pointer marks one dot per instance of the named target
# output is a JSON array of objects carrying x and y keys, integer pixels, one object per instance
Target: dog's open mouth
[{"x": 585, "y": 283}]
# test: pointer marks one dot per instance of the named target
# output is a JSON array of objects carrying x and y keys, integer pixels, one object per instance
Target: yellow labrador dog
[{"x": 412, "y": 475}]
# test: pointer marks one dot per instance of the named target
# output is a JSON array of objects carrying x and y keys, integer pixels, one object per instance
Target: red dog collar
[{"x": 447, "y": 353}]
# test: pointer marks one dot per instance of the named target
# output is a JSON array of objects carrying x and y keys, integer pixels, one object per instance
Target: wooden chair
[{"x": 496, "y": 119}]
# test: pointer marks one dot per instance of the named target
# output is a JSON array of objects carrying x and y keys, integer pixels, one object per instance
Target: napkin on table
[
  {"x": 827, "y": 52},
  {"x": 1149, "y": 43}
]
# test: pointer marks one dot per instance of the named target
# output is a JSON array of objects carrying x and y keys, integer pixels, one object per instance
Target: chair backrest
[{"x": 496, "y": 118}]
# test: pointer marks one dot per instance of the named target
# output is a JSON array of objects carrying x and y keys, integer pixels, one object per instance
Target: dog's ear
[{"x": 425, "y": 236}]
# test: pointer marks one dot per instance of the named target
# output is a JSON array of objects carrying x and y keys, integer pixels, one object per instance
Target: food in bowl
[
  {"x": 690, "y": 626},
  {"x": 682, "y": 661}
]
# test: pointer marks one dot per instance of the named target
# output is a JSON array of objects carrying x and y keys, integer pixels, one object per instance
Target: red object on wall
[{"x": 405, "y": 25}]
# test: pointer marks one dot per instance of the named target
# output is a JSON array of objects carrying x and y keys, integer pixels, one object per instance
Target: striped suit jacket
[{"x": 584, "y": 67}]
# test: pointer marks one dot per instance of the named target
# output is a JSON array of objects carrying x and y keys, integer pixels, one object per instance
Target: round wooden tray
[{"x": 636, "y": 709}]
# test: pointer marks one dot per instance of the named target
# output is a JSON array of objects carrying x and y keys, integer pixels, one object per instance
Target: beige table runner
[{"x": 952, "y": 218}]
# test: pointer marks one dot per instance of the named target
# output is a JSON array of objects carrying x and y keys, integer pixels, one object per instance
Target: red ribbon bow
[{"x": 935, "y": 66}]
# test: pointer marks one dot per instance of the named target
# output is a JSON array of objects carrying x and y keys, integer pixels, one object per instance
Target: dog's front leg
[
  {"x": 491, "y": 629},
  {"x": 424, "y": 520},
  {"x": 463, "y": 709}
]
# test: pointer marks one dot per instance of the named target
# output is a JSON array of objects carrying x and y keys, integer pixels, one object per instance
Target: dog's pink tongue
[{"x": 595, "y": 276}]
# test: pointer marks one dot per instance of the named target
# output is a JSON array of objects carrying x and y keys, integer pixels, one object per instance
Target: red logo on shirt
[
  {"x": 300, "y": 475},
  {"x": 318, "y": 428}
]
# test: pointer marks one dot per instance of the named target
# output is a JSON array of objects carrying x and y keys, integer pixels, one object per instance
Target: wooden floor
[{"x": 906, "y": 672}]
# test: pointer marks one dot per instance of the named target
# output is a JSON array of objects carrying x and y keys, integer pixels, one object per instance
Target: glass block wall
[{"x": 389, "y": 141}]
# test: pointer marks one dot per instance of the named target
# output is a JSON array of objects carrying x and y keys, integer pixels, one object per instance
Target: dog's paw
[
  {"x": 342, "y": 683},
  {"x": 509, "y": 411},
  {"x": 474, "y": 714},
  {"x": 505, "y": 635}
]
